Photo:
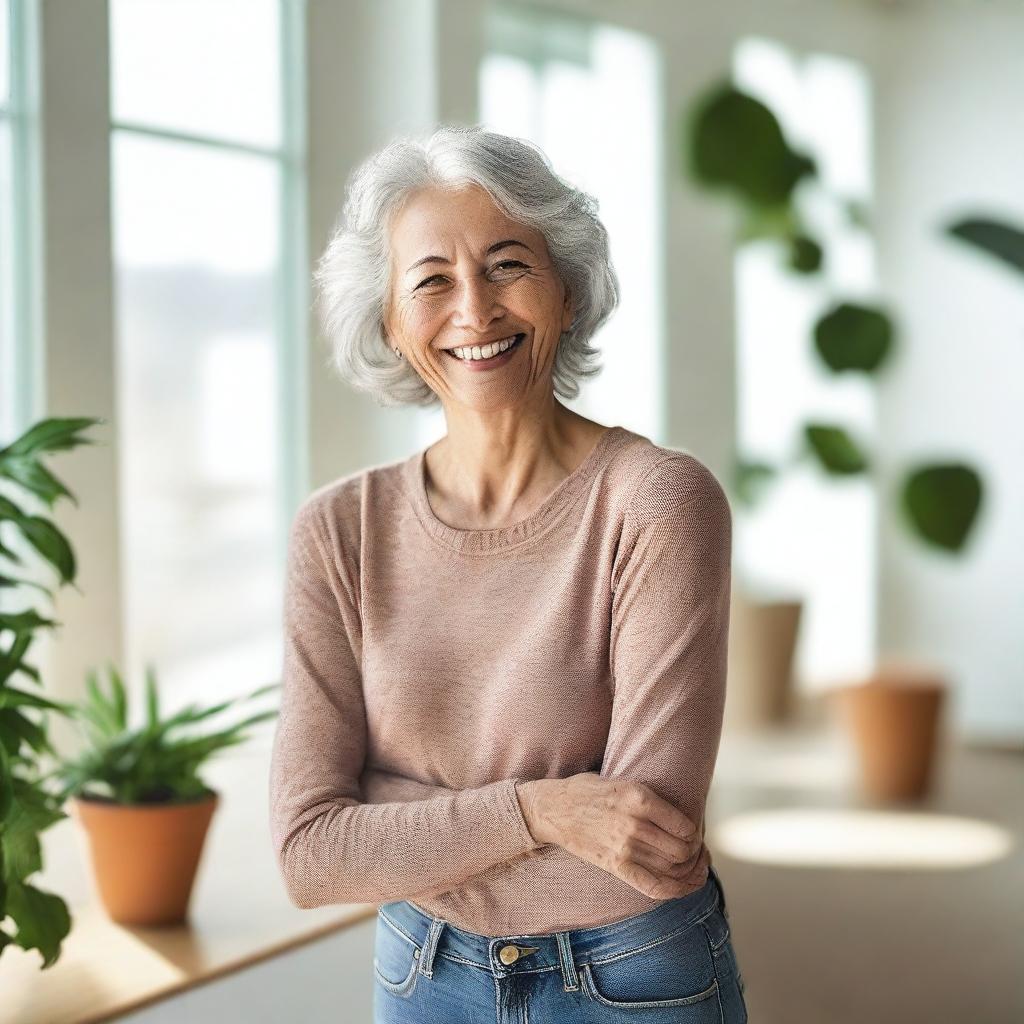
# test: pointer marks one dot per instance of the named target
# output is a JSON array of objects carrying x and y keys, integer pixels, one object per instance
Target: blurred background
[{"x": 816, "y": 211}]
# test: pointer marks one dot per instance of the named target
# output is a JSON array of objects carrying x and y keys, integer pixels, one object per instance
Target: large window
[
  {"x": 18, "y": 218},
  {"x": 813, "y": 537},
  {"x": 588, "y": 95},
  {"x": 207, "y": 172}
]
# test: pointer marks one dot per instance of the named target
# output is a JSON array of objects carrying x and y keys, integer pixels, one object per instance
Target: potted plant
[
  {"x": 138, "y": 796},
  {"x": 736, "y": 146},
  {"x": 41, "y": 920}
]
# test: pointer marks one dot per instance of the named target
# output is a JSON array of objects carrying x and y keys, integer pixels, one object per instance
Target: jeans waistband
[{"x": 565, "y": 949}]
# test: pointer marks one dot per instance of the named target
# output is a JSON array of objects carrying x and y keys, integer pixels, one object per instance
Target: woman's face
[{"x": 463, "y": 274}]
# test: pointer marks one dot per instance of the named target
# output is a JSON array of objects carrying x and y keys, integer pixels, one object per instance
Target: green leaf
[
  {"x": 941, "y": 502},
  {"x": 996, "y": 238},
  {"x": 6, "y": 785},
  {"x": 857, "y": 213},
  {"x": 835, "y": 449},
  {"x": 853, "y": 337},
  {"x": 53, "y": 434},
  {"x": 42, "y": 919},
  {"x": 735, "y": 142},
  {"x": 25, "y": 621},
  {"x": 152, "y": 699},
  {"x": 805, "y": 254},
  {"x": 12, "y": 660},
  {"x": 31, "y": 474},
  {"x": 51, "y": 544},
  {"x": 99, "y": 709},
  {"x": 15, "y": 727},
  {"x": 751, "y": 479},
  {"x": 11, "y": 696}
]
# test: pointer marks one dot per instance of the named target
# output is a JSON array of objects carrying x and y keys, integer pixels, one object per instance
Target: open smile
[{"x": 495, "y": 360}]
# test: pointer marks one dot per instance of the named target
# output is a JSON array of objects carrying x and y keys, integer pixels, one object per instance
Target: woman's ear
[{"x": 568, "y": 310}]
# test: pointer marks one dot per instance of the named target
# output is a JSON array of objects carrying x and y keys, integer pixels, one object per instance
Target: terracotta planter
[
  {"x": 893, "y": 718},
  {"x": 762, "y": 642},
  {"x": 144, "y": 856}
]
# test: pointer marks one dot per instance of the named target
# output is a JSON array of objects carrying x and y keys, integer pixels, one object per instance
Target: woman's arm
[{"x": 331, "y": 846}]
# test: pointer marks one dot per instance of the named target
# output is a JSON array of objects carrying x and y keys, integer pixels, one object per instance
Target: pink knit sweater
[{"x": 428, "y": 670}]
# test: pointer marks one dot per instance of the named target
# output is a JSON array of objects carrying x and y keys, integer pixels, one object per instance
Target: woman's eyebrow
[{"x": 494, "y": 248}]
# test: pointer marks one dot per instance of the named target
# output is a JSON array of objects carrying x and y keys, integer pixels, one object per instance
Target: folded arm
[
  {"x": 332, "y": 846},
  {"x": 670, "y": 622}
]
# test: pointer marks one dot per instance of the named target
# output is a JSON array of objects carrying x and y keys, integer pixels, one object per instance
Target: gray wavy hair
[{"x": 353, "y": 276}]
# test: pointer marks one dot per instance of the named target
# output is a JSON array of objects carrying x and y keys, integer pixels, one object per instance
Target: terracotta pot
[
  {"x": 762, "y": 642},
  {"x": 144, "y": 856},
  {"x": 893, "y": 718}
]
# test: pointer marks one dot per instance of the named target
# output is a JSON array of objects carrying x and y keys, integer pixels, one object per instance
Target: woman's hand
[{"x": 621, "y": 826}]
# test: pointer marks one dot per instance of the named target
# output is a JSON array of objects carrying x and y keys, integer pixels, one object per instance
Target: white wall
[{"x": 951, "y": 141}]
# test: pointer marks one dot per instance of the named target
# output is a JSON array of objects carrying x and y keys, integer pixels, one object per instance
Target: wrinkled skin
[{"x": 621, "y": 826}]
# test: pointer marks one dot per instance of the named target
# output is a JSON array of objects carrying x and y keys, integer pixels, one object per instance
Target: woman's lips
[{"x": 495, "y": 360}]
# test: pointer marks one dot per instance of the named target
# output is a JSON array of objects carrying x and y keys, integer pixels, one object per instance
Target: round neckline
[{"x": 483, "y": 541}]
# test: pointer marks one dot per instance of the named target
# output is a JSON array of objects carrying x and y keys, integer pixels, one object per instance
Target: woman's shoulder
[
  {"x": 334, "y": 509},
  {"x": 655, "y": 480}
]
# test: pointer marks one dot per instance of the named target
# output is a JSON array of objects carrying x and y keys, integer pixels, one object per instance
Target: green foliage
[
  {"x": 749, "y": 479},
  {"x": 1003, "y": 241},
  {"x": 155, "y": 762},
  {"x": 836, "y": 451},
  {"x": 734, "y": 145},
  {"x": 853, "y": 337},
  {"x": 27, "y": 806},
  {"x": 942, "y": 502}
]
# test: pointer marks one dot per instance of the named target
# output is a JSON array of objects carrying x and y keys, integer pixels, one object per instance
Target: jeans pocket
[
  {"x": 673, "y": 971},
  {"x": 395, "y": 958}
]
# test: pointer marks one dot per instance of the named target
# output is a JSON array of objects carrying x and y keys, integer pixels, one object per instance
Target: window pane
[
  {"x": 8, "y": 375},
  {"x": 813, "y": 536},
  {"x": 196, "y": 260},
  {"x": 206, "y": 67},
  {"x": 5, "y": 52}
]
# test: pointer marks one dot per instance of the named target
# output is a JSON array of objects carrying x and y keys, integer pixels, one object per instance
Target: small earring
[{"x": 398, "y": 352}]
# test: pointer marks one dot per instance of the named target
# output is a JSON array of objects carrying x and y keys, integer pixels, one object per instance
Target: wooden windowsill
[{"x": 239, "y": 915}]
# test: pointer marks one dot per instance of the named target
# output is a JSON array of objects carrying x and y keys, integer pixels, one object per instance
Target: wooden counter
[{"x": 240, "y": 915}]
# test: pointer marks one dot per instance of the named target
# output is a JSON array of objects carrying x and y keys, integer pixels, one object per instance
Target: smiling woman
[{"x": 505, "y": 655}]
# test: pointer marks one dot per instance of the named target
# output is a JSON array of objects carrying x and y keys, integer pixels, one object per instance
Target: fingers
[
  {"x": 664, "y": 867},
  {"x": 671, "y": 847},
  {"x": 667, "y": 816}
]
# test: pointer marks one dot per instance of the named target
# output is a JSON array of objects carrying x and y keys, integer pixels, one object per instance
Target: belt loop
[
  {"x": 426, "y": 965},
  {"x": 570, "y": 982},
  {"x": 721, "y": 892}
]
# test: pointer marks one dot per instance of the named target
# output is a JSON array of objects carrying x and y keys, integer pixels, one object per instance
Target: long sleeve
[
  {"x": 331, "y": 846},
  {"x": 669, "y": 639},
  {"x": 671, "y": 584}
]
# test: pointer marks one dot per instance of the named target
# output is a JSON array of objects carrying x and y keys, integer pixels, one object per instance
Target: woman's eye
[{"x": 503, "y": 263}]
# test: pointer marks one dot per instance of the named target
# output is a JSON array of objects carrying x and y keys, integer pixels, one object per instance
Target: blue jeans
[{"x": 674, "y": 963}]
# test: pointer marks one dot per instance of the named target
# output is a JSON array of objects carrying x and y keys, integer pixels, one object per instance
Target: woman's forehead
[{"x": 433, "y": 222}]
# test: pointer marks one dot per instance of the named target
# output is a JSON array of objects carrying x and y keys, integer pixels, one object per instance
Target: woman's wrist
[{"x": 534, "y": 799}]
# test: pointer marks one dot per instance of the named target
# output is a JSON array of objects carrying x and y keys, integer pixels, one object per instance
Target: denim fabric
[{"x": 674, "y": 963}]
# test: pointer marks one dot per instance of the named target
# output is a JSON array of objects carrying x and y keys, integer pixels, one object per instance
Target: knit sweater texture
[{"x": 428, "y": 671}]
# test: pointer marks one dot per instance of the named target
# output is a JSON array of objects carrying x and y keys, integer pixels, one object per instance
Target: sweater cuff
[{"x": 516, "y": 811}]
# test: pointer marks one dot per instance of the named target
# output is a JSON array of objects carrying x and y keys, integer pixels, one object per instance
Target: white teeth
[{"x": 485, "y": 352}]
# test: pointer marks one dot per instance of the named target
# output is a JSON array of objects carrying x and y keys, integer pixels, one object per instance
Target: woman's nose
[{"x": 476, "y": 304}]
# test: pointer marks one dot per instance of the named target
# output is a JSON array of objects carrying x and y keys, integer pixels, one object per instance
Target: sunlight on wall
[
  {"x": 812, "y": 537},
  {"x": 818, "y": 837}
]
